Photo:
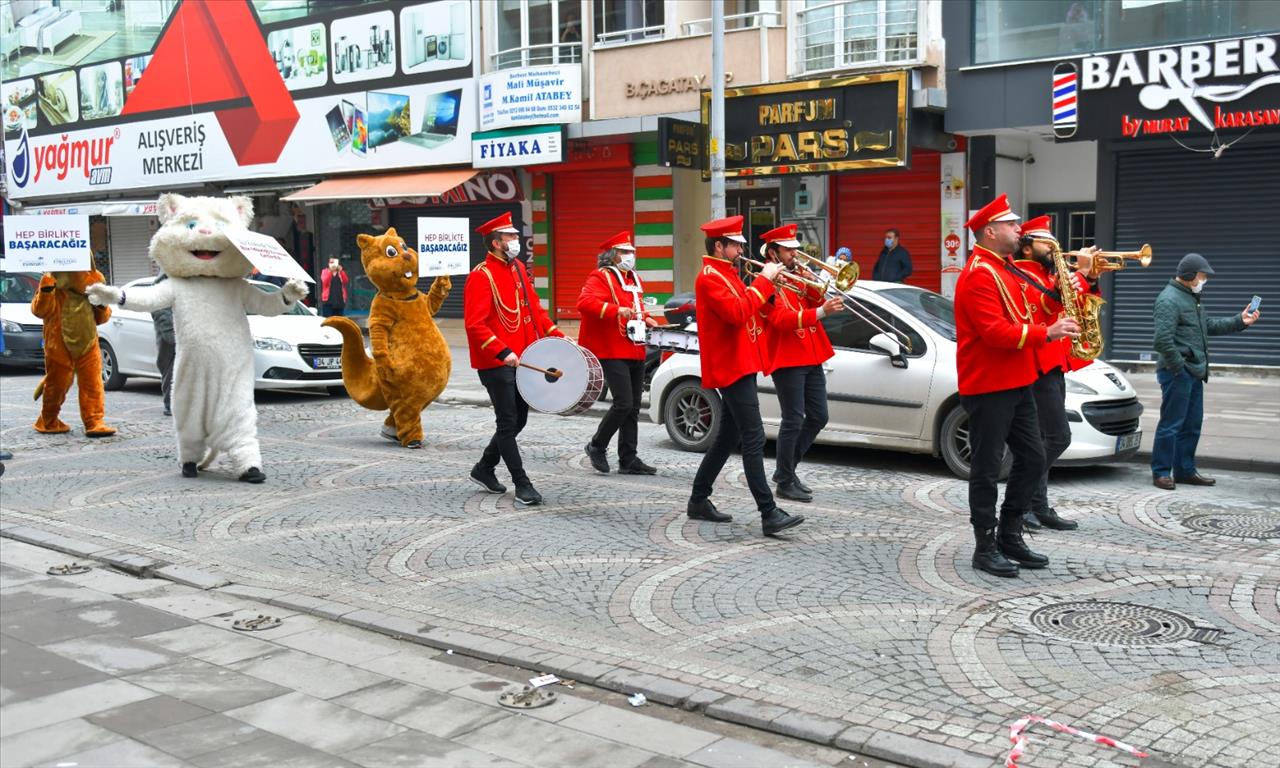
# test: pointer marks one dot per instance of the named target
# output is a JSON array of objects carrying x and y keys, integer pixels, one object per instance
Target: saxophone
[{"x": 1088, "y": 345}]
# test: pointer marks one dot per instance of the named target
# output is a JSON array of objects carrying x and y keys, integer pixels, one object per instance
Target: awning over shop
[
  {"x": 103, "y": 208},
  {"x": 419, "y": 184}
]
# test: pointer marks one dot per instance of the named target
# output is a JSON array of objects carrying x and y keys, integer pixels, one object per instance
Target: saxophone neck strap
[{"x": 1017, "y": 272}]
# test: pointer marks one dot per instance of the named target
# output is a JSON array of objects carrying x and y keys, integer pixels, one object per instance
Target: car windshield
[
  {"x": 296, "y": 309},
  {"x": 932, "y": 309},
  {"x": 18, "y": 287}
]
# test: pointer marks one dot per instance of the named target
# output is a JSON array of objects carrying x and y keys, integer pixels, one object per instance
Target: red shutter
[
  {"x": 587, "y": 207},
  {"x": 869, "y": 202}
]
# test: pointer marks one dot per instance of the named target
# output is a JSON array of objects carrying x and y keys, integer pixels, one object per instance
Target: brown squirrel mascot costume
[
  {"x": 411, "y": 361},
  {"x": 70, "y": 350}
]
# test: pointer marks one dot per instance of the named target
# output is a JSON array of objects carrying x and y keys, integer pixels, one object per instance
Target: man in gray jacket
[
  {"x": 1181, "y": 340},
  {"x": 162, "y": 320}
]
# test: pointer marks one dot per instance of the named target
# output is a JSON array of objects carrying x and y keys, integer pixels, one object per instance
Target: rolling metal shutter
[
  {"x": 869, "y": 202},
  {"x": 405, "y": 221},
  {"x": 1226, "y": 209},
  {"x": 129, "y": 238},
  {"x": 587, "y": 207}
]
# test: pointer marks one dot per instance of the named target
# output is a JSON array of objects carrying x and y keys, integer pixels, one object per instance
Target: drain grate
[
  {"x": 1108, "y": 623},
  {"x": 1243, "y": 525}
]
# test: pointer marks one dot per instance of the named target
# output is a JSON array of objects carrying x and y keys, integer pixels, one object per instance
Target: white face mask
[
  {"x": 513, "y": 248},
  {"x": 627, "y": 261},
  {"x": 1198, "y": 286}
]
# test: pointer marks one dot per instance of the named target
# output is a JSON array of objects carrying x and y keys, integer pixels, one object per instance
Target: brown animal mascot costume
[
  {"x": 411, "y": 361},
  {"x": 70, "y": 350}
]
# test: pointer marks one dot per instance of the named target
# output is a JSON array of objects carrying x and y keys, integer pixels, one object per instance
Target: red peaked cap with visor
[
  {"x": 621, "y": 241},
  {"x": 996, "y": 210},
  {"x": 730, "y": 228},
  {"x": 784, "y": 235},
  {"x": 500, "y": 224},
  {"x": 1039, "y": 228}
]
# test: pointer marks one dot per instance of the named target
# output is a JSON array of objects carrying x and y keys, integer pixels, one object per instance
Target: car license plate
[
  {"x": 1129, "y": 441},
  {"x": 320, "y": 363}
]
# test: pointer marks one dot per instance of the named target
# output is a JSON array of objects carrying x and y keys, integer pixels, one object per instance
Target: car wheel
[
  {"x": 336, "y": 390},
  {"x": 111, "y": 376},
  {"x": 692, "y": 416},
  {"x": 954, "y": 438}
]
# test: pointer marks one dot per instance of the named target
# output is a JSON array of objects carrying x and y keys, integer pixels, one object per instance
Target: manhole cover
[
  {"x": 1105, "y": 623},
  {"x": 1243, "y": 525}
]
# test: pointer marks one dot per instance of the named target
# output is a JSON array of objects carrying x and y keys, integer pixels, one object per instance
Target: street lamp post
[{"x": 717, "y": 109}]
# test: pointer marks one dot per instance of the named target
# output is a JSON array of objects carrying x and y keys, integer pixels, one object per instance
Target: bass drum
[{"x": 578, "y": 386}]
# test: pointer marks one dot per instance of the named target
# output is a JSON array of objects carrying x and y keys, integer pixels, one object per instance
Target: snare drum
[
  {"x": 672, "y": 339},
  {"x": 580, "y": 383}
]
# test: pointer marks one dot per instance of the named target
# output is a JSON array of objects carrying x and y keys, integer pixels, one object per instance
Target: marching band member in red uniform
[
  {"x": 503, "y": 315},
  {"x": 797, "y": 346},
  {"x": 996, "y": 334},
  {"x": 1053, "y": 360},
  {"x": 611, "y": 298},
  {"x": 729, "y": 329}
]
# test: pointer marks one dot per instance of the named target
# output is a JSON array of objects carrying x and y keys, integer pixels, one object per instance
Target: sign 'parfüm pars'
[
  {"x": 816, "y": 126},
  {"x": 681, "y": 143},
  {"x": 1224, "y": 86}
]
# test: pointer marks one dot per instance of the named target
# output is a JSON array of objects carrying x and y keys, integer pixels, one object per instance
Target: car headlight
[
  {"x": 10, "y": 326},
  {"x": 1076, "y": 388},
  {"x": 275, "y": 344}
]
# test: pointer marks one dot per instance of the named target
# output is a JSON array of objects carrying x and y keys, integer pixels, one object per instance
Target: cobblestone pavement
[{"x": 1155, "y": 624}]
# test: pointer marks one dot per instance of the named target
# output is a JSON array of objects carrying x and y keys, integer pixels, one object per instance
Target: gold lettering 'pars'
[{"x": 801, "y": 146}]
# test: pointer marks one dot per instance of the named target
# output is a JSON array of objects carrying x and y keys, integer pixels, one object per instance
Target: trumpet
[
  {"x": 843, "y": 277},
  {"x": 798, "y": 284},
  {"x": 1110, "y": 261}
]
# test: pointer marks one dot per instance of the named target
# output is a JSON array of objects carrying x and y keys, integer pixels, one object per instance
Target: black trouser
[
  {"x": 740, "y": 425},
  {"x": 511, "y": 413},
  {"x": 997, "y": 419},
  {"x": 329, "y": 309},
  {"x": 626, "y": 384},
  {"x": 802, "y": 394},
  {"x": 165, "y": 351},
  {"x": 1050, "y": 393}
]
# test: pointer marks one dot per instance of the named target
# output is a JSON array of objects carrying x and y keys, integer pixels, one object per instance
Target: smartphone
[
  {"x": 338, "y": 128},
  {"x": 360, "y": 134},
  {"x": 1253, "y": 305}
]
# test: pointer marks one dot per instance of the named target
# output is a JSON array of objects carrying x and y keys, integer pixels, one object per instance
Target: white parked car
[
  {"x": 882, "y": 396},
  {"x": 23, "y": 331},
  {"x": 291, "y": 351}
]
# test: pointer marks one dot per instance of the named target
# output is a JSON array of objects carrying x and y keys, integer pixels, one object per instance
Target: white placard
[
  {"x": 443, "y": 245},
  {"x": 531, "y": 96},
  {"x": 47, "y": 243},
  {"x": 267, "y": 255}
]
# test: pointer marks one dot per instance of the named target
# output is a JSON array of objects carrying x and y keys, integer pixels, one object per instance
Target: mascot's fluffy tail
[
  {"x": 39, "y": 388},
  {"x": 357, "y": 368}
]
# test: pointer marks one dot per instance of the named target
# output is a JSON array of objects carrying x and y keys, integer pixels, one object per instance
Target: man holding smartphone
[{"x": 1181, "y": 340}]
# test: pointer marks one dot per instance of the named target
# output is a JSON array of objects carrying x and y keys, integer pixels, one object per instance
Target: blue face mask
[{"x": 888, "y": 242}]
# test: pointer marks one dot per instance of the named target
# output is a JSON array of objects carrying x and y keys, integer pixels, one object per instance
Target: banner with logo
[
  {"x": 355, "y": 88},
  {"x": 46, "y": 243},
  {"x": 516, "y": 147},
  {"x": 1225, "y": 87},
  {"x": 443, "y": 245},
  {"x": 531, "y": 96}
]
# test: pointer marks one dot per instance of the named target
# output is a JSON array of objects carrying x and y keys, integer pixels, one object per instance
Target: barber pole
[{"x": 1065, "y": 84}]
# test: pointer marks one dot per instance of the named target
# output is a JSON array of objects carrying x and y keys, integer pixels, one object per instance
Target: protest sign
[
  {"x": 265, "y": 253},
  {"x": 47, "y": 243},
  {"x": 443, "y": 244}
]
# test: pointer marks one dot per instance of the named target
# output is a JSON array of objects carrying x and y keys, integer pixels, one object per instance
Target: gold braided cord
[
  {"x": 1004, "y": 295},
  {"x": 513, "y": 324}
]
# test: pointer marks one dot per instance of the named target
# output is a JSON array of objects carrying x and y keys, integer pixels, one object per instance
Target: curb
[
  {"x": 1219, "y": 462},
  {"x": 907, "y": 750}
]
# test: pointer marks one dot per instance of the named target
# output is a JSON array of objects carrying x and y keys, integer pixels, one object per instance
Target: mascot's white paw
[
  {"x": 294, "y": 290},
  {"x": 103, "y": 295}
]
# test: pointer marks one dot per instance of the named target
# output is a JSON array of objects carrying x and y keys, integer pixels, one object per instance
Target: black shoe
[
  {"x": 413, "y": 444},
  {"x": 792, "y": 492},
  {"x": 5, "y": 455},
  {"x": 987, "y": 556},
  {"x": 1030, "y": 523},
  {"x": 167, "y": 412},
  {"x": 1011, "y": 545},
  {"x": 1051, "y": 520},
  {"x": 1196, "y": 479},
  {"x": 599, "y": 462},
  {"x": 253, "y": 475},
  {"x": 778, "y": 521},
  {"x": 797, "y": 482},
  {"x": 189, "y": 469},
  {"x": 527, "y": 496},
  {"x": 636, "y": 467},
  {"x": 705, "y": 510},
  {"x": 486, "y": 479}
]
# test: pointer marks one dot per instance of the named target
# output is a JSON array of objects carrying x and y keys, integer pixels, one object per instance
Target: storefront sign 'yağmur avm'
[{"x": 817, "y": 126}]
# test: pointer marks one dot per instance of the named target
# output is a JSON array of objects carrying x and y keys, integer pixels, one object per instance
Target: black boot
[
  {"x": 599, "y": 462},
  {"x": 1030, "y": 523},
  {"x": 527, "y": 496},
  {"x": 1050, "y": 519},
  {"x": 485, "y": 478},
  {"x": 189, "y": 469},
  {"x": 636, "y": 467},
  {"x": 987, "y": 556},
  {"x": 705, "y": 510},
  {"x": 253, "y": 475},
  {"x": 793, "y": 492},
  {"x": 778, "y": 521},
  {"x": 797, "y": 482},
  {"x": 1013, "y": 547}
]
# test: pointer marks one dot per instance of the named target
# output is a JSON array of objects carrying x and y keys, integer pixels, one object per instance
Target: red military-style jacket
[
  {"x": 996, "y": 327},
  {"x": 793, "y": 335},
  {"x": 1054, "y": 354},
  {"x": 499, "y": 317},
  {"x": 729, "y": 323},
  {"x": 601, "y": 330}
]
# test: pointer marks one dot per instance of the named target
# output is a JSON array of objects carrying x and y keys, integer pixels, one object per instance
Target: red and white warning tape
[{"x": 1018, "y": 736}]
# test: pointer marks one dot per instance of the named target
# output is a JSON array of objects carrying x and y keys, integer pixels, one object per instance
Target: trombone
[{"x": 1110, "y": 261}]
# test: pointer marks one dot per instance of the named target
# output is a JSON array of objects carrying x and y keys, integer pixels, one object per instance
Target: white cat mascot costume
[{"x": 213, "y": 407}]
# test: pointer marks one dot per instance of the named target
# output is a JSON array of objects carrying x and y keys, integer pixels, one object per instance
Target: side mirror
[{"x": 888, "y": 345}]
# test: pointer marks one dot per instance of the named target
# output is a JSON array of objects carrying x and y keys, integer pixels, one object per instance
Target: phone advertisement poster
[{"x": 443, "y": 245}]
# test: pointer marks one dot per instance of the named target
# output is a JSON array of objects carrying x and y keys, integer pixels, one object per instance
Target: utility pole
[{"x": 717, "y": 109}]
